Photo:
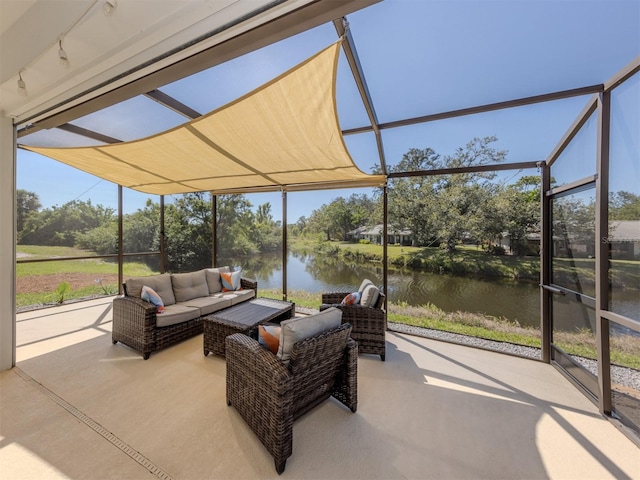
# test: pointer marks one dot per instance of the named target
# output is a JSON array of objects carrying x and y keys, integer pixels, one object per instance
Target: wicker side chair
[
  {"x": 368, "y": 324},
  {"x": 270, "y": 395}
]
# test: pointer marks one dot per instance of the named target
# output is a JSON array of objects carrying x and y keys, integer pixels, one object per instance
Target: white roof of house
[
  {"x": 377, "y": 230},
  {"x": 625, "y": 230}
]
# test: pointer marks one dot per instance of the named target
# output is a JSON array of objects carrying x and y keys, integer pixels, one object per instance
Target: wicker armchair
[
  {"x": 270, "y": 395},
  {"x": 368, "y": 324}
]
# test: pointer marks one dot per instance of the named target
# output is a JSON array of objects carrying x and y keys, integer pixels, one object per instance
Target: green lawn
[
  {"x": 471, "y": 260},
  {"x": 40, "y": 251},
  {"x": 465, "y": 260},
  {"x": 624, "y": 351},
  {"x": 95, "y": 266},
  {"x": 426, "y": 316},
  {"x": 91, "y": 266},
  {"x": 37, "y": 282}
]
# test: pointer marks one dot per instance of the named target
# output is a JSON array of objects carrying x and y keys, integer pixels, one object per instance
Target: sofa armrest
[
  {"x": 246, "y": 358},
  {"x": 361, "y": 318},
  {"x": 334, "y": 297},
  {"x": 248, "y": 284},
  {"x": 134, "y": 311},
  {"x": 134, "y": 324},
  {"x": 346, "y": 387}
]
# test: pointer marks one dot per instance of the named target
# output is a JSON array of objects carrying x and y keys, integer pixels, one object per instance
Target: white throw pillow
[
  {"x": 150, "y": 295},
  {"x": 369, "y": 296},
  {"x": 299, "y": 328},
  {"x": 231, "y": 280},
  {"x": 364, "y": 283}
]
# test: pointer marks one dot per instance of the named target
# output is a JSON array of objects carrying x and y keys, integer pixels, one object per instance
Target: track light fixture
[
  {"x": 64, "y": 60},
  {"x": 109, "y": 6},
  {"x": 22, "y": 87}
]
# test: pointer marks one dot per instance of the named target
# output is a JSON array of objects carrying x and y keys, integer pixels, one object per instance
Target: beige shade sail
[{"x": 283, "y": 135}]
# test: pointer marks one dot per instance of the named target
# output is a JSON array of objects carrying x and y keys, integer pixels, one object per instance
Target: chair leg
[
  {"x": 382, "y": 357},
  {"x": 280, "y": 466}
]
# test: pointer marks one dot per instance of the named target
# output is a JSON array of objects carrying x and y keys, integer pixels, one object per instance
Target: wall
[{"x": 7, "y": 243}]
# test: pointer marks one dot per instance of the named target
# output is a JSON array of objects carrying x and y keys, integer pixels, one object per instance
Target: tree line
[
  {"x": 439, "y": 210},
  {"x": 447, "y": 210},
  {"x": 443, "y": 210},
  {"x": 187, "y": 228}
]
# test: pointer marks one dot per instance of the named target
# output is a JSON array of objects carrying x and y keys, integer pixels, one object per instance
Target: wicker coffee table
[{"x": 242, "y": 318}]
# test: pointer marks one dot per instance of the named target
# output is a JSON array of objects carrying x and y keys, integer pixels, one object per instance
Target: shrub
[
  {"x": 496, "y": 250},
  {"x": 62, "y": 291}
]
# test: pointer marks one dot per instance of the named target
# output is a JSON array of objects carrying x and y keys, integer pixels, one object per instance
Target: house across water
[{"x": 374, "y": 235}]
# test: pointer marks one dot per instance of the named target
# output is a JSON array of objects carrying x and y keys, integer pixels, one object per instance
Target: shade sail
[{"x": 283, "y": 135}]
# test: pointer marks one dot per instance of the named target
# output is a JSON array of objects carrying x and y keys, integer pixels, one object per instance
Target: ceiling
[
  {"x": 111, "y": 44},
  {"x": 435, "y": 71}
]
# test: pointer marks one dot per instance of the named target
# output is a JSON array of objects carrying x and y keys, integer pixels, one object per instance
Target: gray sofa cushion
[
  {"x": 208, "y": 305},
  {"x": 160, "y": 283},
  {"x": 187, "y": 286},
  {"x": 240, "y": 296},
  {"x": 213, "y": 278},
  {"x": 299, "y": 328},
  {"x": 175, "y": 314},
  {"x": 236, "y": 296}
]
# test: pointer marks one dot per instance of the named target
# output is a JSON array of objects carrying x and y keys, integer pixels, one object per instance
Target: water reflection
[{"x": 515, "y": 301}]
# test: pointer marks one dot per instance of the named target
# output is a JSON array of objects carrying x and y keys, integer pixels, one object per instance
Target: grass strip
[
  {"x": 625, "y": 350},
  {"x": 51, "y": 298}
]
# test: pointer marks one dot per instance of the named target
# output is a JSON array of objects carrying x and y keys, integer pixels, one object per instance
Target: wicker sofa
[
  {"x": 187, "y": 297},
  {"x": 368, "y": 322},
  {"x": 270, "y": 394}
]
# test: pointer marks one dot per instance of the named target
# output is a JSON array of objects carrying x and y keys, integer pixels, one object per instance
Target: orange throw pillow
[
  {"x": 351, "y": 299},
  {"x": 269, "y": 337}
]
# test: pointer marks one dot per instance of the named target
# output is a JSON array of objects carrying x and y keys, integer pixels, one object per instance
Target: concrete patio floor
[{"x": 78, "y": 407}]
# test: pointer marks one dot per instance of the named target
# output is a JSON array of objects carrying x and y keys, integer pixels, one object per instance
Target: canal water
[
  {"x": 516, "y": 301},
  {"x": 513, "y": 300}
]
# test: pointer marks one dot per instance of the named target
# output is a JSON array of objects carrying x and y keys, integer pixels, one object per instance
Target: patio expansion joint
[{"x": 96, "y": 427}]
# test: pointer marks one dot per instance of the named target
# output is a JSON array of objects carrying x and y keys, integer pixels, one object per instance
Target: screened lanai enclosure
[{"x": 478, "y": 160}]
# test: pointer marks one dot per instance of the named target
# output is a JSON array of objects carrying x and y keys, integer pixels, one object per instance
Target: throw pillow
[
  {"x": 364, "y": 283},
  {"x": 149, "y": 294},
  {"x": 269, "y": 337},
  {"x": 213, "y": 278},
  {"x": 299, "y": 328},
  {"x": 231, "y": 280},
  {"x": 369, "y": 296},
  {"x": 351, "y": 299}
]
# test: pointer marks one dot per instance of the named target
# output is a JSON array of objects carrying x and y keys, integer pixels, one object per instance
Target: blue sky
[{"x": 419, "y": 57}]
